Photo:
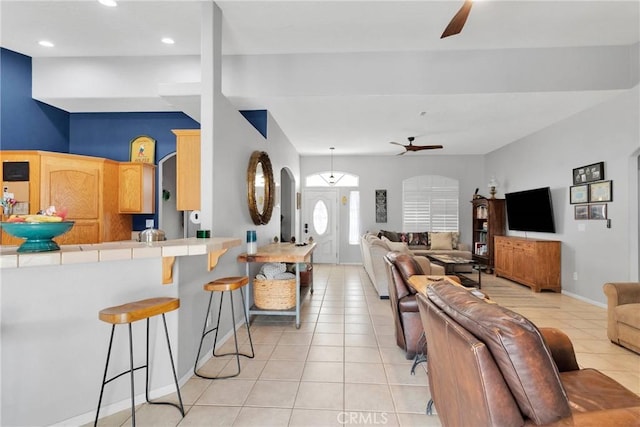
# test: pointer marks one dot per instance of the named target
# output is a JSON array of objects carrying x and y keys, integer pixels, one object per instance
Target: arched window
[{"x": 429, "y": 203}]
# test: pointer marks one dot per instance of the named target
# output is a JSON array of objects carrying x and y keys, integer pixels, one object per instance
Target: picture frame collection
[{"x": 590, "y": 192}]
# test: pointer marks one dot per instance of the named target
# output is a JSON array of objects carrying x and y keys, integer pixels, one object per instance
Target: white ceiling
[{"x": 469, "y": 118}]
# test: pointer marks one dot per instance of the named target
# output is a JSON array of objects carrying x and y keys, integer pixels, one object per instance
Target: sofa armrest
[
  {"x": 427, "y": 267},
  {"x": 619, "y": 417},
  {"x": 437, "y": 270},
  {"x": 622, "y": 293},
  {"x": 561, "y": 349},
  {"x": 464, "y": 247}
]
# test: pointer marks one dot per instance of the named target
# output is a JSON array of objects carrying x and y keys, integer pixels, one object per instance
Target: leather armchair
[
  {"x": 490, "y": 366},
  {"x": 408, "y": 328},
  {"x": 623, "y": 314}
]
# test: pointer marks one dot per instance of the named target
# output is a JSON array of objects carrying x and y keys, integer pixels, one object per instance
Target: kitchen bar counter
[
  {"x": 122, "y": 251},
  {"x": 53, "y": 343},
  {"x": 114, "y": 251}
]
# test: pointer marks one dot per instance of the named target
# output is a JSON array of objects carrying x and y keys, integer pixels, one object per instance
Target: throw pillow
[
  {"x": 455, "y": 239},
  {"x": 391, "y": 235},
  {"x": 441, "y": 241},
  {"x": 396, "y": 246}
]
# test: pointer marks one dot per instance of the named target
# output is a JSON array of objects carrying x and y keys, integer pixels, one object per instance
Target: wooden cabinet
[
  {"x": 488, "y": 222},
  {"x": 136, "y": 187},
  {"x": 87, "y": 187},
  {"x": 187, "y": 169},
  {"x": 532, "y": 262}
]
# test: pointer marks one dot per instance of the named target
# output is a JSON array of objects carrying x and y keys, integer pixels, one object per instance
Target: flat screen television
[{"x": 530, "y": 210}]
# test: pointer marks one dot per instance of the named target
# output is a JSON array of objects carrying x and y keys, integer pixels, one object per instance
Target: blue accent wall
[
  {"x": 109, "y": 134},
  {"x": 258, "y": 119},
  {"x": 27, "y": 124}
]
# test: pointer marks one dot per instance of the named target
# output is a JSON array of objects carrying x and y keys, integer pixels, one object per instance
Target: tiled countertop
[{"x": 124, "y": 250}]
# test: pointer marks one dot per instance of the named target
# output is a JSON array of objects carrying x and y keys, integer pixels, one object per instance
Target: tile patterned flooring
[{"x": 343, "y": 367}]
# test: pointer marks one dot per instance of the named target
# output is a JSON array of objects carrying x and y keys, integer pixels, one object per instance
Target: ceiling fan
[
  {"x": 411, "y": 147},
  {"x": 458, "y": 20}
]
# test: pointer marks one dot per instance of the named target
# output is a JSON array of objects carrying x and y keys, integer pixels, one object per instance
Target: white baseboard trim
[{"x": 587, "y": 300}]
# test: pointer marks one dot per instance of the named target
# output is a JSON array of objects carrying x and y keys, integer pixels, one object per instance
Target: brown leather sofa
[
  {"x": 408, "y": 328},
  {"x": 623, "y": 314},
  {"x": 489, "y": 366}
]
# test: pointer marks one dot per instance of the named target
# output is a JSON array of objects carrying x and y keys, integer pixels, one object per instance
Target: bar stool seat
[
  {"x": 224, "y": 285},
  {"x": 127, "y": 314}
]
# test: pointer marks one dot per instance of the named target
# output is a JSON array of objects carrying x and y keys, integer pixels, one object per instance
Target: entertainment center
[{"x": 531, "y": 262}]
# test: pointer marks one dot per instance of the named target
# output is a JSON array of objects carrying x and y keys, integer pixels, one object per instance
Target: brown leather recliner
[
  {"x": 489, "y": 366},
  {"x": 408, "y": 328}
]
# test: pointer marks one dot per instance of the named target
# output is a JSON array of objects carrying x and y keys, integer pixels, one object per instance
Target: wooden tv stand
[{"x": 532, "y": 262}]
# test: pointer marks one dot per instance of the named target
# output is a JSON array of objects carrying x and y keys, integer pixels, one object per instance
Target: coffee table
[{"x": 450, "y": 262}]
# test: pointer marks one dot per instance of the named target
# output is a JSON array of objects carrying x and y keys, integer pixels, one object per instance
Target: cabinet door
[
  {"x": 187, "y": 169},
  {"x": 136, "y": 189},
  {"x": 524, "y": 258},
  {"x": 504, "y": 257},
  {"x": 73, "y": 184}
]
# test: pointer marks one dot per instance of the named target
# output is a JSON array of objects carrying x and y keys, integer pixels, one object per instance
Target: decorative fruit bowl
[{"x": 38, "y": 235}]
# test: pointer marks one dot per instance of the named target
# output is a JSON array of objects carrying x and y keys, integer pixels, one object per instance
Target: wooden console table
[
  {"x": 532, "y": 262},
  {"x": 278, "y": 252}
]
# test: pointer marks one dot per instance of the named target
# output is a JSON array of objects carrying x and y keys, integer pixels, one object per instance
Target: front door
[{"x": 319, "y": 221}]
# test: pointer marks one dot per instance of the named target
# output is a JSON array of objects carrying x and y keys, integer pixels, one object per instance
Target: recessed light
[
  {"x": 45, "y": 43},
  {"x": 167, "y": 40},
  {"x": 108, "y": 3}
]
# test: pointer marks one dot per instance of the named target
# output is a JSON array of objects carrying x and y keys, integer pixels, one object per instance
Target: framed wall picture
[
  {"x": 598, "y": 211},
  {"x": 579, "y": 194},
  {"x": 601, "y": 191},
  {"x": 589, "y": 173},
  {"x": 143, "y": 150},
  {"x": 581, "y": 212},
  {"x": 381, "y": 205}
]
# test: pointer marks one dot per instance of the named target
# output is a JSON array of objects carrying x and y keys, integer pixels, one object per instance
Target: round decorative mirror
[{"x": 260, "y": 187}]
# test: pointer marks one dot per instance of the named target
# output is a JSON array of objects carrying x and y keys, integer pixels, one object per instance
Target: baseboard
[{"x": 587, "y": 300}]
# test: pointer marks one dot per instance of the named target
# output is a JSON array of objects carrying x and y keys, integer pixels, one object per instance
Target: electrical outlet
[
  {"x": 149, "y": 223},
  {"x": 575, "y": 275}
]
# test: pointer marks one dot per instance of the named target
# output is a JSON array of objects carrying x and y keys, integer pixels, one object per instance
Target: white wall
[
  {"x": 609, "y": 133},
  {"x": 387, "y": 172}
]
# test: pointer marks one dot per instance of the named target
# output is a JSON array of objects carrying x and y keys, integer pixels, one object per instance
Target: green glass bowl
[{"x": 38, "y": 235}]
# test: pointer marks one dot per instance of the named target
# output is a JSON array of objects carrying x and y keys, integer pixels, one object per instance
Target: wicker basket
[{"x": 274, "y": 294}]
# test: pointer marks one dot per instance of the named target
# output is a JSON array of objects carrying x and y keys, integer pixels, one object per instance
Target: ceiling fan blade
[
  {"x": 457, "y": 22},
  {"x": 428, "y": 147},
  {"x": 400, "y": 154},
  {"x": 396, "y": 143}
]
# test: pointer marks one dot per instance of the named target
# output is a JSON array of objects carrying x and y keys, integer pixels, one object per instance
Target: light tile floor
[{"x": 343, "y": 367}]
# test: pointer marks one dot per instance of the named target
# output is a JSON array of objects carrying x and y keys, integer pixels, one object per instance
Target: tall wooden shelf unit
[{"x": 489, "y": 220}]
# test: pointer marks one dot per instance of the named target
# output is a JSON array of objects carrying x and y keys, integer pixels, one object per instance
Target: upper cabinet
[
  {"x": 137, "y": 187},
  {"x": 187, "y": 169}
]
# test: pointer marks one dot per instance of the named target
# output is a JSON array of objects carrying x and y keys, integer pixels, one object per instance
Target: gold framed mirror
[{"x": 260, "y": 187}]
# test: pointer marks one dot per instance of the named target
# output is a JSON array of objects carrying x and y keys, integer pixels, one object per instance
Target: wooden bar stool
[
  {"x": 129, "y": 313},
  {"x": 225, "y": 284}
]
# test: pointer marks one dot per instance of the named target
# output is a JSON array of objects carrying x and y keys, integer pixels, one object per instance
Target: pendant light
[{"x": 332, "y": 179}]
